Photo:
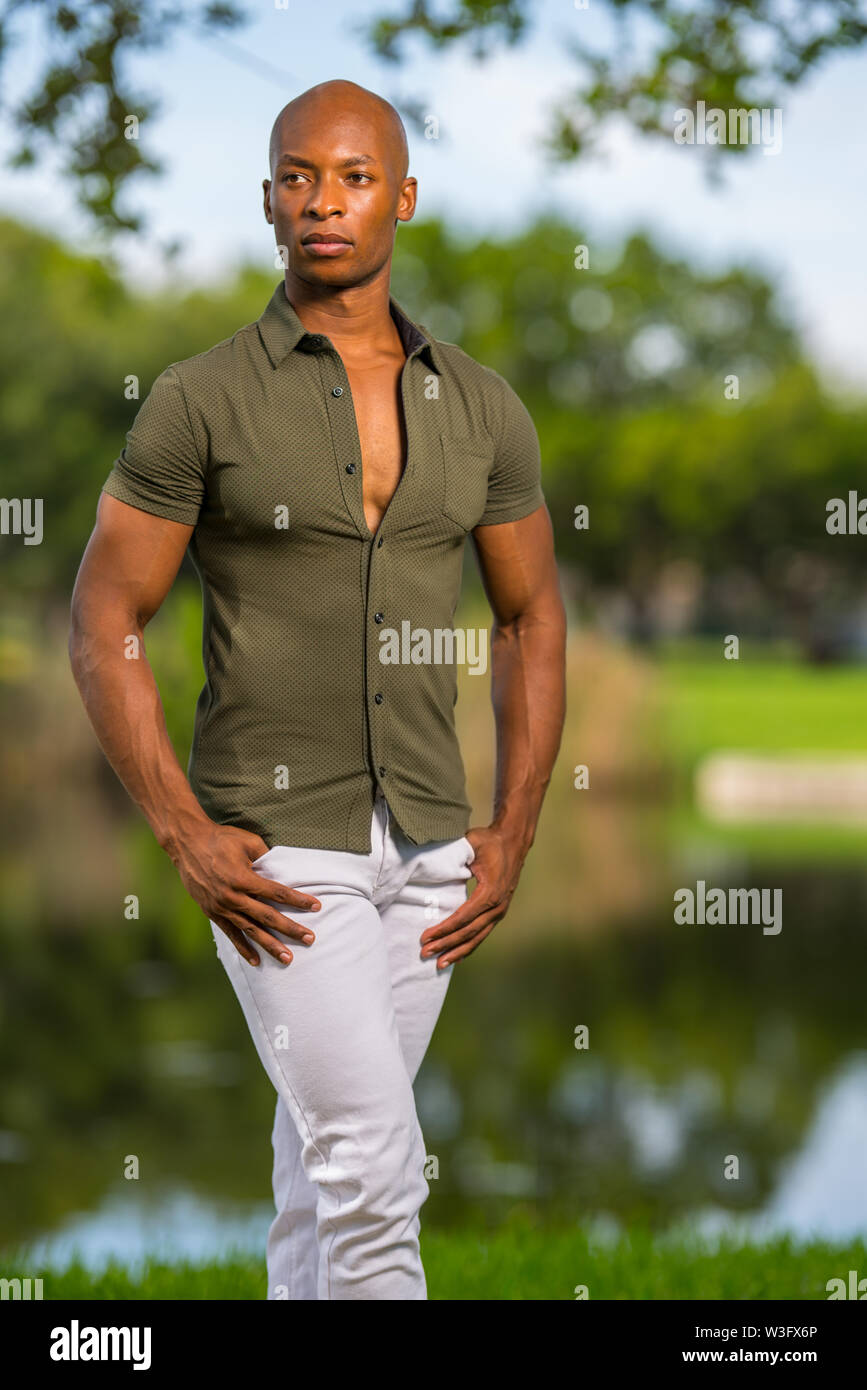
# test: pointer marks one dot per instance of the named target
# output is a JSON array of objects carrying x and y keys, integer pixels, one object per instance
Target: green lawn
[
  {"x": 784, "y": 841},
  {"x": 527, "y": 1263},
  {"x": 763, "y": 703}
]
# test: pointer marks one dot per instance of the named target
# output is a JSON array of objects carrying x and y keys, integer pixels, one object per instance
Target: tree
[
  {"x": 82, "y": 100},
  {"x": 625, "y": 366},
  {"x": 732, "y": 54}
]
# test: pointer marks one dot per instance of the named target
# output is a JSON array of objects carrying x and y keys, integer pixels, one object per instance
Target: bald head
[
  {"x": 336, "y": 103},
  {"x": 338, "y": 168}
]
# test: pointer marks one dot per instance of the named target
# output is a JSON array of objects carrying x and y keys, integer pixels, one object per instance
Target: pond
[{"x": 723, "y": 1082}]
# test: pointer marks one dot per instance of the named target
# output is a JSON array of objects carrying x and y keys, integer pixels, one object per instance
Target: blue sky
[{"x": 800, "y": 215}]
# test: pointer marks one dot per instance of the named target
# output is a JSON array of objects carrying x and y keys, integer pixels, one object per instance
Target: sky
[{"x": 799, "y": 215}]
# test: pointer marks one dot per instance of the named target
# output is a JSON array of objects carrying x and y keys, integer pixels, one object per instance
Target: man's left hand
[{"x": 496, "y": 868}]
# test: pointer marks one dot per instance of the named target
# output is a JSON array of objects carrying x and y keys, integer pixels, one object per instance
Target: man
[{"x": 325, "y": 466}]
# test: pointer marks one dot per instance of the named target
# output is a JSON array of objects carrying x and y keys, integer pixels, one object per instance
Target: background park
[{"x": 621, "y": 291}]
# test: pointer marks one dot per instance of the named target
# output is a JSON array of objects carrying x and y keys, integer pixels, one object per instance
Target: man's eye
[
  {"x": 286, "y": 177},
  {"x": 366, "y": 177}
]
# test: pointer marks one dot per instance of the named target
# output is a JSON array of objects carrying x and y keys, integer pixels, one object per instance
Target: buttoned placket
[{"x": 347, "y": 441}]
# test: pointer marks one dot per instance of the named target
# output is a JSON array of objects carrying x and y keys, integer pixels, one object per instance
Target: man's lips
[{"x": 325, "y": 245}]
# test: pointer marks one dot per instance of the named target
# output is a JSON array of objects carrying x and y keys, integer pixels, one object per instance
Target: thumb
[{"x": 254, "y": 845}]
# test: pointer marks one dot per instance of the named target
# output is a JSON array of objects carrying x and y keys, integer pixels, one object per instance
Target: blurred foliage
[
  {"x": 83, "y": 100},
  {"x": 704, "y": 511},
  {"x": 660, "y": 54}
]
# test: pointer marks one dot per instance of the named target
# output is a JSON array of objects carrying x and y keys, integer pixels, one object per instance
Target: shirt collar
[{"x": 281, "y": 330}]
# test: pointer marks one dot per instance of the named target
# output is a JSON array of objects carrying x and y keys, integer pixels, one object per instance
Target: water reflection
[
  {"x": 703, "y": 1043},
  {"x": 178, "y": 1226},
  {"x": 823, "y": 1189},
  {"x": 822, "y": 1192}
]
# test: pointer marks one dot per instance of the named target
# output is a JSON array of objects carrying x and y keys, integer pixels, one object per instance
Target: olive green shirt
[{"x": 255, "y": 444}]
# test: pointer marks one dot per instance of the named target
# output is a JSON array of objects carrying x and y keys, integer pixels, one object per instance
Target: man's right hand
[{"x": 214, "y": 862}]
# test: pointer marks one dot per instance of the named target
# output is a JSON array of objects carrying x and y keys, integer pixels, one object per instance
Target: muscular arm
[
  {"x": 528, "y": 657},
  {"x": 129, "y": 566},
  {"x": 528, "y": 691}
]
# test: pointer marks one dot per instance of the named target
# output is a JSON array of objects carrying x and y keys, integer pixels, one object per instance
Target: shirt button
[
  {"x": 350, "y": 468},
  {"x": 381, "y": 771},
  {"x": 379, "y": 543},
  {"x": 379, "y": 617},
  {"x": 337, "y": 391},
  {"x": 378, "y": 698}
]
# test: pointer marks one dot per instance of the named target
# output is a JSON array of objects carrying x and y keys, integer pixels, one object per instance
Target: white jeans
[{"x": 341, "y": 1032}]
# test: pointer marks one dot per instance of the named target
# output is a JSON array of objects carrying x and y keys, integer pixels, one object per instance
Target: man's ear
[{"x": 266, "y": 199}]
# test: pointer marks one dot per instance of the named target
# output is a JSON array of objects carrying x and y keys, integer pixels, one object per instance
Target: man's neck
[{"x": 357, "y": 320}]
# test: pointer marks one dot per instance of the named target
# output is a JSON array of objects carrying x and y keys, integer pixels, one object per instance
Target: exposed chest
[
  {"x": 379, "y": 419},
  {"x": 320, "y": 449}
]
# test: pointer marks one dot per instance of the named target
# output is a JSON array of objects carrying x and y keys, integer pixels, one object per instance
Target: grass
[
  {"x": 763, "y": 703},
  {"x": 807, "y": 841},
  {"x": 767, "y": 703},
  {"x": 525, "y": 1263}
]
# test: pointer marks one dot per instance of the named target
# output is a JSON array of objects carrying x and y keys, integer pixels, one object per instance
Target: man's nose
[{"x": 324, "y": 200}]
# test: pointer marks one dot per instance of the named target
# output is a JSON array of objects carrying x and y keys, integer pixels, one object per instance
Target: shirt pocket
[{"x": 467, "y": 461}]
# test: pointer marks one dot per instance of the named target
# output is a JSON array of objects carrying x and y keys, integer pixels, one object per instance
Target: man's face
[{"x": 336, "y": 174}]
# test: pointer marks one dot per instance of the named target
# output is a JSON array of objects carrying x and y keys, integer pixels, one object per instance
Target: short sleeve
[
  {"x": 159, "y": 469},
  {"x": 515, "y": 480}
]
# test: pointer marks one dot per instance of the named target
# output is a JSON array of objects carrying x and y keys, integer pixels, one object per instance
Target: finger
[
  {"x": 478, "y": 902},
  {"x": 250, "y": 930},
  {"x": 257, "y": 887},
  {"x": 268, "y": 918},
  {"x": 237, "y": 938},
  {"x": 437, "y": 948},
  {"x": 467, "y": 949},
  {"x": 278, "y": 949},
  {"x": 457, "y": 938}
]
